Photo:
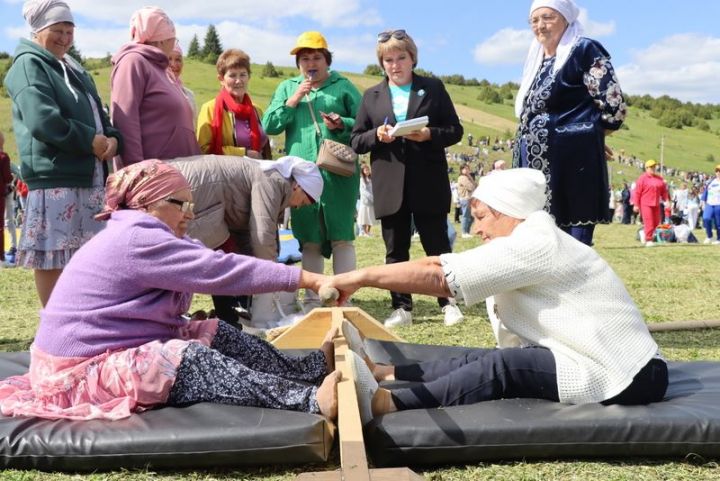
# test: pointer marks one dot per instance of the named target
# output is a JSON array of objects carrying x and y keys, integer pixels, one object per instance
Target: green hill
[{"x": 686, "y": 149}]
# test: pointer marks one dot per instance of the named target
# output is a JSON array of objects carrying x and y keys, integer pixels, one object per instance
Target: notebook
[{"x": 408, "y": 126}]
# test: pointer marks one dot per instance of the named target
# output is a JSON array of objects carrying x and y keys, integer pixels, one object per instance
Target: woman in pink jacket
[
  {"x": 650, "y": 189},
  {"x": 148, "y": 105}
]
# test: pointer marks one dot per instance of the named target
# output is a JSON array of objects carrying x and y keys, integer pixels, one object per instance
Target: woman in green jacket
[
  {"x": 327, "y": 227},
  {"x": 64, "y": 138}
]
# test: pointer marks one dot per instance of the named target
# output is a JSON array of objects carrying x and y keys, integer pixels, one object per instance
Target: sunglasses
[
  {"x": 185, "y": 205},
  {"x": 396, "y": 34}
]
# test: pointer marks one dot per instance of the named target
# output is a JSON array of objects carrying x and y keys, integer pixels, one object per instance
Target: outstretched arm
[{"x": 422, "y": 276}]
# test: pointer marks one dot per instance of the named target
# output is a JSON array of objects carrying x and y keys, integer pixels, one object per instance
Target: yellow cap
[
  {"x": 650, "y": 163},
  {"x": 313, "y": 40},
  {"x": 717, "y": 167}
]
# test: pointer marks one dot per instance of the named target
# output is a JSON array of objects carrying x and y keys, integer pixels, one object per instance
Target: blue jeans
[{"x": 467, "y": 218}]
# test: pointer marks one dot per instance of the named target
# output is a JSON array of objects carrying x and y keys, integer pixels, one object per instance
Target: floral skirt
[
  {"x": 58, "y": 222},
  {"x": 110, "y": 386}
]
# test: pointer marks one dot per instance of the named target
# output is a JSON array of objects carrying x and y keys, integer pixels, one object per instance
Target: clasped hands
[{"x": 103, "y": 147}]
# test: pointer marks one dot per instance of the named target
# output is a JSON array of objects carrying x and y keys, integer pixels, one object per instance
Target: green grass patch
[{"x": 668, "y": 282}]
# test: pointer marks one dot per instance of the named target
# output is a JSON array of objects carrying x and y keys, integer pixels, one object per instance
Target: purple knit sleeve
[{"x": 164, "y": 261}]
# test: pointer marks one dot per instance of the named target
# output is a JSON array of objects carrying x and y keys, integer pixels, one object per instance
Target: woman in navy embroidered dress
[{"x": 569, "y": 100}]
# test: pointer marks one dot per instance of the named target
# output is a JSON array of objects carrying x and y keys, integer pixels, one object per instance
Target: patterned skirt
[
  {"x": 58, "y": 222},
  {"x": 110, "y": 386}
]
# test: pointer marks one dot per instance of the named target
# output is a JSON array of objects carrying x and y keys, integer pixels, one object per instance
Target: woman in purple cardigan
[
  {"x": 148, "y": 105},
  {"x": 113, "y": 340}
]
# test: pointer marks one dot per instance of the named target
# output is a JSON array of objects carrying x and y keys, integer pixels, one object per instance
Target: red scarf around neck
[{"x": 243, "y": 111}]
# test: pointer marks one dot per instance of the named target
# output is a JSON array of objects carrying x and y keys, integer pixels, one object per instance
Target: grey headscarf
[{"x": 40, "y": 14}]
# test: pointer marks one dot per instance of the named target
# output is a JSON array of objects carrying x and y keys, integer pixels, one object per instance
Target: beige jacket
[
  {"x": 465, "y": 186},
  {"x": 233, "y": 195}
]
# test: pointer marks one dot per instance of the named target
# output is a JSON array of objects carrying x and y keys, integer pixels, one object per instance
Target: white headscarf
[
  {"x": 40, "y": 14},
  {"x": 305, "y": 173},
  {"x": 514, "y": 192},
  {"x": 569, "y": 10}
]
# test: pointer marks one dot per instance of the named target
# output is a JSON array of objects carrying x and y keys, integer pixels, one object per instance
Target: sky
[{"x": 658, "y": 47}]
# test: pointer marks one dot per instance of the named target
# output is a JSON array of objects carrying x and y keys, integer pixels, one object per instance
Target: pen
[{"x": 385, "y": 122}]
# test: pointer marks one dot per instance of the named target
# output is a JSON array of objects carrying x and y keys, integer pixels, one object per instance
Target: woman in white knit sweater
[{"x": 566, "y": 327}]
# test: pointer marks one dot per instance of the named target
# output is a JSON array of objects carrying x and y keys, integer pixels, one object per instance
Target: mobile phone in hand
[{"x": 332, "y": 116}]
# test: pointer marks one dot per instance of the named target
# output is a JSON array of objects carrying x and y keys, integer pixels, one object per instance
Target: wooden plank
[
  {"x": 682, "y": 325},
  {"x": 353, "y": 457},
  {"x": 386, "y": 474},
  {"x": 367, "y": 324},
  {"x": 308, "y": 333},
  {"x": 350, "y": 434}
]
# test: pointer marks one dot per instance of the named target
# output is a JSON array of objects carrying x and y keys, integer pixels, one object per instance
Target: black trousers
[
  {"x": 486, "y": 374},
  {"x": 396, "y": 232}
]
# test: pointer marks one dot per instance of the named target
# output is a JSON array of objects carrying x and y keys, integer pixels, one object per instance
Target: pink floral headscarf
[
  {"x": 151, "y": 24},
  {"x": 139, "y": 185}
]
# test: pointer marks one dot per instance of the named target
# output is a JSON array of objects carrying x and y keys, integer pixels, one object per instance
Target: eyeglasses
[
  {"x": 396, "y": 34},
  {"x": 185, "y": 205},
  {"x": 545, "y": 18}
]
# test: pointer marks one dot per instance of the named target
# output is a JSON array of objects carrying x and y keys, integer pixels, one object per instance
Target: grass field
[
  {"x": 669, "y": 282},
  {"x": 673, "y": 282}
]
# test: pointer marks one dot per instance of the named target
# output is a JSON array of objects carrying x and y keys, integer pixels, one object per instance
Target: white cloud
[
  {"x": 595, "y": 29},
  {"x": 259, "y": 27},
  {"x": 336, "y": 13},
  {"x": 684, "y": 66},
  {"x": 507, "y": 46}
]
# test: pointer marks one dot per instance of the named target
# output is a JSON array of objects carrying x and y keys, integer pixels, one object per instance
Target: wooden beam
[
  {"x": 682, "y": 325},
  {"x": 350, "y": 433},
  {"x": 368, "y": 326},
  {"x": 309, "y": 332},
  {"x": 386, "y": 474}
]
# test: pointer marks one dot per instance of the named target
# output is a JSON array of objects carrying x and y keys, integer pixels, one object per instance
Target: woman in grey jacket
[{"x": 238, "y": 204}]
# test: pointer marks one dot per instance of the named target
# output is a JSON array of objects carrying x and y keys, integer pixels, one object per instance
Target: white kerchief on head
[
  {"x": 513, "y": 192},
  {"x": 305, "y": 173},
  {"x": 570, "y": 11},
  {"x": 40, "y": 14}
]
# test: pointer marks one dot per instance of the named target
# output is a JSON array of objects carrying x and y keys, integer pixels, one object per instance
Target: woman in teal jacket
[
  {"x": 64, "y": 138},
  {"x": 327, "y": 227}
]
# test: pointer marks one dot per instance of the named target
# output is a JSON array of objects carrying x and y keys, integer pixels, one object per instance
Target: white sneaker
[
  {"x": 707, "y": 241},
  {"x": 353, "y": 338},
  {"x": 399, "y": 317},
  {"x": 649, "y": 244},
  {"x": 452, "y": 315},
  {"x": 716, "y": 242},
  {"x": 365, "y": 385}
]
